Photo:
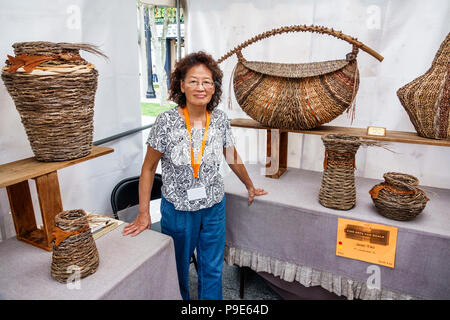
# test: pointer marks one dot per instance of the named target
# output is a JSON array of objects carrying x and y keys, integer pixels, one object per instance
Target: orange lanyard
[{"x": 196, "y": 164}]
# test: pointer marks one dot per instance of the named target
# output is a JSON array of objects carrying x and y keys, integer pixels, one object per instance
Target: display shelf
[
  {"x": 15, "y": 175},
  {"x": 277, "y": 142}
]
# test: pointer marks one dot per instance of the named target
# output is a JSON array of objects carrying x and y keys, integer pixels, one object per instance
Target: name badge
[{"x": 196, "y": 193}]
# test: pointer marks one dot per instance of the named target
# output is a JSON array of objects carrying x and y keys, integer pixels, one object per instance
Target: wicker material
[
  {"x": 55, "y": 100},
  {"x": 295, "y": 103},
  {"x": 398, "y": 197},
  {"x": 337, "y": 190},
  {"x": 426, "y": 99},
  {"x": 77, "y": 252},
  {"x": 297, "y": 96}
]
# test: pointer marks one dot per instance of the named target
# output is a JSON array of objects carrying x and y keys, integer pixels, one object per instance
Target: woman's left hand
[{"x": 253, "y": 192}]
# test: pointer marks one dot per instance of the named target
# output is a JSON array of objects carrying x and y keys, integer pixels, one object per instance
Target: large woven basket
[
  {"x": 337, "y": 190},
  {"x": 74, "y": 248},
  {"x": 426, "y": 99},
  {"x": 297, "y": 96},
  {"x": 398, "y": 197},
  {"x": 53, "y": 89}
]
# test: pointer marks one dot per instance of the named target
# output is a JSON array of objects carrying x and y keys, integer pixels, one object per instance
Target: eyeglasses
[{"x": 205, "y": 84}]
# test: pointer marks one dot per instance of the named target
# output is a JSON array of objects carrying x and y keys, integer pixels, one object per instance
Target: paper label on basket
[
  {"x": 370, "y": 242},
  {"x": 196, "y": 193}
]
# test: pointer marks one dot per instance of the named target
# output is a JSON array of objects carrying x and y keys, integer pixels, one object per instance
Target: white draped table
[
  {"x": 290, "y": 236},
  {"x": 141, "y": 267}
]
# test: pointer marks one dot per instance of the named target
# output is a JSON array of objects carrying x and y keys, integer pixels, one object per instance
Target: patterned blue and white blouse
[{"x": 169, "y": 136}]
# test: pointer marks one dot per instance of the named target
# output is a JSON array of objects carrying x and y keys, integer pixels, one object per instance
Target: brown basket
[
  {"x": 426, "y": 99},
  {"x": 337, "y": 190},
  {"x": 297, "y": 96},
  {"x": 398, "y": 197},
  {"x": 54, "y": 97},
  {"x": 74, "y": 247}
]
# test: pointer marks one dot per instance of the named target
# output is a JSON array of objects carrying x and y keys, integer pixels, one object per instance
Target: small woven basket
[
  {"x": 338, "y": 190},
  {"x": 74, "y": 247},
  {"x": 54, "y": 97},
  {"x": 398, "y": 197}
]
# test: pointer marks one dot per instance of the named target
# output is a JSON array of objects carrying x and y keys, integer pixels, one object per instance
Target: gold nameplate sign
[
  {"x": 370, "y": 242},
  {"x": 376, "y": 131}
]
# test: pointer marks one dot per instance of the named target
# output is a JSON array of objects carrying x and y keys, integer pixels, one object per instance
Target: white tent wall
[
  {"x": 112, "y": 25},
  {"x": 407, "y": 33}
]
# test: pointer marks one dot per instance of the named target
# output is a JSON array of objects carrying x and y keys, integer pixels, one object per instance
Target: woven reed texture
[
  {"x": 295, "y": 70},
  {"x": 426, "y": 99},
  {"x": 398, "y": 197},
  {"x": 55, "y": 101},
  {"x": 77, "y": 252},
  {"x": 297, "y": 96},
  {"x": 295, "y": 103},
  {"x": 337, "y": 190}
]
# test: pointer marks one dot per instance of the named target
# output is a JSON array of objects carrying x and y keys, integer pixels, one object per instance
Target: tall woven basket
[
  {"x": 398, "y": 197},
  {"x": 338, "y": 190},
  {"x": 74, "y": 248},
  {"x": 426, "y": 99},
  {"x": 53, "y": 89}
]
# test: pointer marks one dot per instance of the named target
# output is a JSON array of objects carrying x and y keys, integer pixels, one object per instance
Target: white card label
[{"x": 196, "y": 193}]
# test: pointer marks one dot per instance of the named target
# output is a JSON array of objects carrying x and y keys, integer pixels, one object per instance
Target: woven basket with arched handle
[{"x": 296, "y": 96}]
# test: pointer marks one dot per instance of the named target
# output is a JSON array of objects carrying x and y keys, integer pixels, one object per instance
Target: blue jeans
[{"x": 205, "y": 230}]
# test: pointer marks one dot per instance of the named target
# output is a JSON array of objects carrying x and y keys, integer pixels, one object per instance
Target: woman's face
[{"x": 198, "y": 86}]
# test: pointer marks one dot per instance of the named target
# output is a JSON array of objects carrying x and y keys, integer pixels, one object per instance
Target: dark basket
[{"x": 398, "y": 198}]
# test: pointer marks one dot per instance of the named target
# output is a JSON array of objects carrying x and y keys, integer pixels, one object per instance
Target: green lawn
[{"x": 152, "y": 109}]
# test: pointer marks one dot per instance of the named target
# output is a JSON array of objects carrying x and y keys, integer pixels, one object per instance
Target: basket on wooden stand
[
  {"x": 398, "y": 197},
  {"x": 337, "y": 190},
  {"x": 426, "y": 99},
  {"x": 74, "y": 248},
  {"x": 53, "y": 89},
  {"x": 297, "y": 96}
]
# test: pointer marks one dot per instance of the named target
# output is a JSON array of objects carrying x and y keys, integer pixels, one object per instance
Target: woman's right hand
[{"x": 142, "y": 222}]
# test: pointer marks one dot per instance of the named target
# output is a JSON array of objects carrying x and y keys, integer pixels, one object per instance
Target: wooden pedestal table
[
  {"x": 14, "y": 176},
  {"x": 277, "y": 141}
]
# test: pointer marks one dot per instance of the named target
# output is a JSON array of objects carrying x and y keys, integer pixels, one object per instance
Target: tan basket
[
  {"x": 54, "y": 97},
  {"x": 337, "y": 190},
  {"x": 74, "y": 248},
  {"x": 296, "y": 96},
  {"x": 426, "y": 99},
  {"x": 398, "y": 197}
]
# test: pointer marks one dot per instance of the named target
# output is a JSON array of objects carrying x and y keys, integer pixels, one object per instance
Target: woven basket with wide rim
[
  {"x": 54, "y": 97},
  {"x": 296, "y": 96},
  {"x": 337, "y": 190},
  {"x": 426, "y": 99},
  {"x": 74, "y": 248},
  {"x": 398, "y": 197}
]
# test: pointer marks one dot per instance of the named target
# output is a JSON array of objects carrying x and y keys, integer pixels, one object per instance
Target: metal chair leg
[
  {"x": 194, "y": 260},
  {"x": 242, "y": 273}
]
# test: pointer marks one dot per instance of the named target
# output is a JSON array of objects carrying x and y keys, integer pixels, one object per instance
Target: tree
[
  {"x": 142, "y": 49},
  {"x": 158, "y": 48}
]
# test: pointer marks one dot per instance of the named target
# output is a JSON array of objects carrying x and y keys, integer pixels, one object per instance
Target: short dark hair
[{"x": 180, "y": 71}]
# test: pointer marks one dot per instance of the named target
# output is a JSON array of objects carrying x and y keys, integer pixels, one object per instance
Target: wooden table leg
[
  {"x": 21, "y": 204},
  {"x": 277, "y": 144},
  {"x": 47, "y": 187},
  {"x": 21, "y": 208}
]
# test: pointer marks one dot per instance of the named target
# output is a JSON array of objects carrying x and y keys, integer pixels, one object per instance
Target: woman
[{"x": 191, "y": 140}]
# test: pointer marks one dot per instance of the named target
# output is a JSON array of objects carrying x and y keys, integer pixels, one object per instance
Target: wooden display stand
[
  {"x": 14, "y": 176},
  {"x": 277, "y": 141}
]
